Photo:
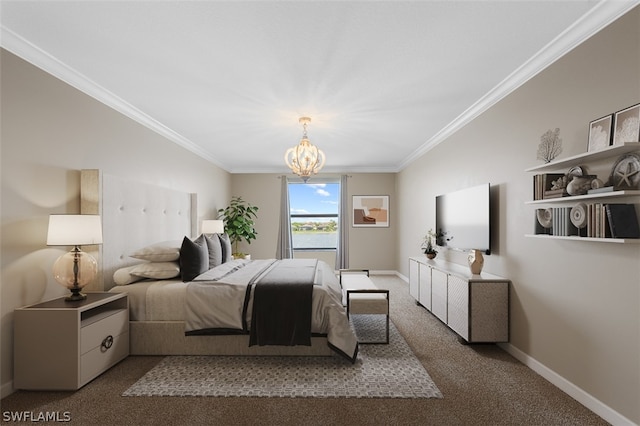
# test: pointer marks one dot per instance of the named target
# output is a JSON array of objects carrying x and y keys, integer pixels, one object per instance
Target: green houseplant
[{"x": 239, "y": 224}]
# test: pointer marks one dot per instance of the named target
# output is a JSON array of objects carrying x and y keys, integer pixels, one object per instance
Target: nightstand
[{"x": 60, "y": 345}]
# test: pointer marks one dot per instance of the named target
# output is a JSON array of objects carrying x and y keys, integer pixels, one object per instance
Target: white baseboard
[
  {"x": 382, "y": 272},
  {"x": 589, "y": 401},
  {"x": 402, "y": 277},
  {"x": 593, "y": 404}
]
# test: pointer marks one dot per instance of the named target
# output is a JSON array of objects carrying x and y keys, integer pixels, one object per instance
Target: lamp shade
[
  {"x": 212, "y": 226},
  {"x": 74, "y": 230}
]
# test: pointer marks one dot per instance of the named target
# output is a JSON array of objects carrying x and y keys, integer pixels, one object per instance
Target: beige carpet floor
[{"x": 481, "y": 384}]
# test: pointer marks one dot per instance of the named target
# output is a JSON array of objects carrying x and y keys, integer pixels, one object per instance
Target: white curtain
[
  {"x": 342, "y": 250},
  {"x": 285, "y": 242}
]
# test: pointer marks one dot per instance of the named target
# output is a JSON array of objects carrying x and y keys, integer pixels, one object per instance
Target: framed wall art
[
  {"x": 600, "y": 133},
  {"x": 370, "y": 211},
  {"x": 627, "y": 125}
]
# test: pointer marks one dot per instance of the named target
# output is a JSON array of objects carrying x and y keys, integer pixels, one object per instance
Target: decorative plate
[
  {"x": 545, "y": 217},
  {"x": 625, "y": 173},
  {"x": 578, "y": 215}
]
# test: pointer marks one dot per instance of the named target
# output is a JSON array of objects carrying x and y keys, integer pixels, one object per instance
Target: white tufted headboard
[{"x": 134, "y": 215}]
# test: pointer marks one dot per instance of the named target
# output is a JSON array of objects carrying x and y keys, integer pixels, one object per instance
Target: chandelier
[{"x": 304, "y": 159}]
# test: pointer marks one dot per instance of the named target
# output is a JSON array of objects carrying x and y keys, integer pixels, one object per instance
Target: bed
[{"x": 171, "y": 315}]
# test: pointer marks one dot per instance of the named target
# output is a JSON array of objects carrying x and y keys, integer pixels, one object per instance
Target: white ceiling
[{"x": 381, "y": 80}]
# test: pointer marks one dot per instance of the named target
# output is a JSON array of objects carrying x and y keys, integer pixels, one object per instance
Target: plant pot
[{"x": 431, "y": 255}]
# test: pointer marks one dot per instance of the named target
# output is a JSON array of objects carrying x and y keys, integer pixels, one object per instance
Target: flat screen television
[{"x": 463, "y": 219}]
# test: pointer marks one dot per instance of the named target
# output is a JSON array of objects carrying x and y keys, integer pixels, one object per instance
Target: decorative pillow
[
  {"x": 166, "y": 251},
  {"x": 225, "y": 242},
  {"x": 194, "y": 258},
  {"x": 123, "y": 276},
  {"x": 215, "y": 250},
  {"x": 156, "y": 270}
]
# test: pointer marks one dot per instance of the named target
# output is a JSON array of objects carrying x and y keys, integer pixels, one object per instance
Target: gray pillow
[
  {"x": 215, "y": 250},
  {"x": 194, "y": 258},
  {"x": 226, "y": 247}
]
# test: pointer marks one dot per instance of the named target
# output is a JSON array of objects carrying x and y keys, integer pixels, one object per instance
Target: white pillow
[
  {"x": 156, "y": 270},
  {"x": 123, "y": 276},
  {"x": 165, "y": 251}
]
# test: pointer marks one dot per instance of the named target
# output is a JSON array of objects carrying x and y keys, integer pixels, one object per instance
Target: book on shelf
[
  {"x": 543, "y": 183},
  {"x": 597, "y": 223},
  {"x": 600, "y": 190},
  {"x": 554, "y": 193},
  {"x": 561, "y": 225},
  {"x": 622, "y": 220}
]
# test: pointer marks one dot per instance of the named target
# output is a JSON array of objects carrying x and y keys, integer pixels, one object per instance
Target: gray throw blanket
[{"x": 282, "y": 301}]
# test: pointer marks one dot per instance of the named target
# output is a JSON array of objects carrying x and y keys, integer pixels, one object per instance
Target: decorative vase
[
  {"x": 431, "y": 255},
  {"x": 579, "y": 185},
  {"x": 476, "y": 261}
]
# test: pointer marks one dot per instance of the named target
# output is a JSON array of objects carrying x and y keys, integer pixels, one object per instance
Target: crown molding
[
  {"x": 325, "y": 170},
  {"x": 43, "y": 60},
  {"x": 598, "y": 17}
]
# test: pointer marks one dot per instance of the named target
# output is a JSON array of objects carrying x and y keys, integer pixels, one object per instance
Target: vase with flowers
[{"x": 428, "y": 244}]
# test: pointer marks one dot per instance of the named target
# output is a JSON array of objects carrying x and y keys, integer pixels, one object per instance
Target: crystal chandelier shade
[{"x": 305, "y": 159}]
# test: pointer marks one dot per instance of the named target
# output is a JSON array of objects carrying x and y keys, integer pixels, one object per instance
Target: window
[{"x": 314, "y": 215}]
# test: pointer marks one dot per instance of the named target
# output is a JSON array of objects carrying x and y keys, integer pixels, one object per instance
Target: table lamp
[
  {"x": 213, "y": 227},
  {"x": 74, "y": 269}
]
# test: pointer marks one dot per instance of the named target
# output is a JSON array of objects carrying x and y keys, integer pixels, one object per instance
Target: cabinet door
[
  {"x": 414, "y": 278},
  {"x": 458, "y": 306},
  {"x": 46, "y": 349},
  {"x": 439, "y": 294},
  {"x": 425, "y": 286},
  {"x": 489, "y": 314}
]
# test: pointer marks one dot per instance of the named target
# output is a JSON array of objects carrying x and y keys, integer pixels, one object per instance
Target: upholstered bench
[{"x": 362, "y": 297}]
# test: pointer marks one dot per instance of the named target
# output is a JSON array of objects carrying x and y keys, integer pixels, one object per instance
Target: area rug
[{"x": 381, "y": 371}]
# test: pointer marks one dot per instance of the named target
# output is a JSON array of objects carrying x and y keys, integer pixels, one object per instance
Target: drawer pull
[{"x": 107, "y": 343}]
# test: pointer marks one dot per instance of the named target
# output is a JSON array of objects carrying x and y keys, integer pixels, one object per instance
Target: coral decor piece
[{"x": 550, "y": 145}]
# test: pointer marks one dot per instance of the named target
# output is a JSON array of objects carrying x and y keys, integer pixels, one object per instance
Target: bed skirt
[{"x": 167, "y": 338}]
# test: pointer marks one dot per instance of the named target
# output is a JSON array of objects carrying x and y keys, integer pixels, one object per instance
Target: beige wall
[
  {"x": 50, "y": 132},
  {"x": 574, "y": 305},
  {"x": 372, "y": 248}
]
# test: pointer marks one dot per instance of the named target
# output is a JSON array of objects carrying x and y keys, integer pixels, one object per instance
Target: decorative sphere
[{"x": 63, "y": 269}]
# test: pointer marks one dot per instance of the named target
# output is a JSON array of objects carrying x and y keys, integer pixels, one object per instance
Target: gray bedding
[{"x": 221, "y": 300}]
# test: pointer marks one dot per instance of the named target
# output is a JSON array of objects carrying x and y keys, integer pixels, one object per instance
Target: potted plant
[
  {"x": 239, "y": 224},
  {"x": 428, "y": 244}
]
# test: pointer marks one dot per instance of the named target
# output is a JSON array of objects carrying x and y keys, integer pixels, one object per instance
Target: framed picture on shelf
[
  {"x": 370, "y": 211},
  {"x": 627, "y": 125},
  {"x": 600, "y": 133}
]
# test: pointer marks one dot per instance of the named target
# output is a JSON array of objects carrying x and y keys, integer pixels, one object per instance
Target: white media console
[{"x": 476, "y": 307}]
